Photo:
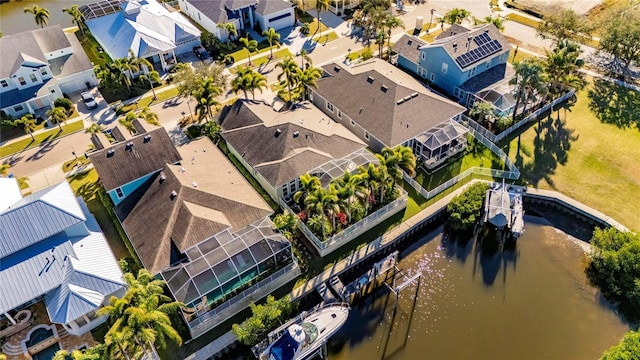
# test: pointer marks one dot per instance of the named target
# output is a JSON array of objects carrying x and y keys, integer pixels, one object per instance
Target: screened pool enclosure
[{"x": 226, "y": 262}]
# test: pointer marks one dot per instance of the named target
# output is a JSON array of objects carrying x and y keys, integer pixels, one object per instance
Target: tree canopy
[
  {"x": 188, "y": 78},
  {"x": 627, "y": 349},
  {"x": 615, "y": 267},
  {"x": 265, "y": 317},
  {"x": 565, "y": 24},
  {"x": 621, "y": 38},
  {"x": 466, "y": 208}
]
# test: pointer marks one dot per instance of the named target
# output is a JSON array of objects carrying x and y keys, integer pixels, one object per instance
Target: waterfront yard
[{"x": 591, "y": 160}]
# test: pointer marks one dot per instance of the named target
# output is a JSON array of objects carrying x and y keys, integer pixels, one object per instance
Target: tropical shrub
[{"x": 466, "y": 208}]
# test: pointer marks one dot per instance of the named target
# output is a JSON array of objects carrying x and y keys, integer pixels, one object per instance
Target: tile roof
[
  {"x": 284, "y": 145},
  {"x": 409, "y": 47},
  {"x": 186, "y": 204},
  {"x": 480, "y": 41},
  {"x": 387, "y": 102},
  {"x": 145, "y": 157}
]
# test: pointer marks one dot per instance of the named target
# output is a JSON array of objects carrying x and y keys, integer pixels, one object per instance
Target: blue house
[
  {"x": 127, "y": 165},
  {"x": 461, "y": 61}
]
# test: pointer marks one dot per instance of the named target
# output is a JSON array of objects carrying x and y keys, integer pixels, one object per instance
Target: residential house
[
  {"x": 385, "y": 106},
  {"x": 149, "y": 152},
  {"x": 462, "y": 61},
  {"x": 244, "y": 14},
  {"x": 40, "y": 66},
  {"x": 201, "y": 226},
  {"x": 52, "y": 250},
  {"x": 278, "y": 147},
  {"x": 144, "y": 27}
]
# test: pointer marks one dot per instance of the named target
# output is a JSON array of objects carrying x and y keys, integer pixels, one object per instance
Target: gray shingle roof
[
  {"x": 266, "y": 7},
  {"x": 488, "y": 78},
  {"x": 306, "y": 139},
  {"x": 401, "y": 112},
  {"x": 463, "y": 42},
  {"x": 11, "y": 48},
  {"x": 18, "y": 96},
  {"x": 409, "y": 47},
  {"x": 51, "y": 38},
  {"x": 144, "y": 158},
  {"x": 210, "y": 196}
]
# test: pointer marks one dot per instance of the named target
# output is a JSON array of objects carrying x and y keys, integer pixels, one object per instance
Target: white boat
[{"x": 304, "y": 335}]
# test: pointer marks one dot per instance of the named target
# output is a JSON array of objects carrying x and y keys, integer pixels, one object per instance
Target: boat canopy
[{"x": 284, "y": 348}]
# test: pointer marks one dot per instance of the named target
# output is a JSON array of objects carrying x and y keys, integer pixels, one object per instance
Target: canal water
[
  {"x": 14, "y": 20},
  {"x": 473, "y": 303}
]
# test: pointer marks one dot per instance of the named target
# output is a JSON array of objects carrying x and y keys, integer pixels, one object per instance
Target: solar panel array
[
  {"x": 479, "y": 53},
  {"x": 482, "y": 39}
]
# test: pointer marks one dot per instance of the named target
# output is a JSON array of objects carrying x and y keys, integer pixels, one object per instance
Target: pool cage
[
  {"x": 227, "y": 261},
  {"x": 101, "y": 8}
]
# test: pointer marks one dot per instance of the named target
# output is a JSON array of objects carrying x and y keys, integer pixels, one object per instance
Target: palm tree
[
  {"x": 497, "y": 21},
  {"x": 149, "y": 116},
  {"x": 562, "y": 66},
  {"x": 381, "y": 37},
  {"x": 308, "y": 184},
  {"x": 57, "y": 115},
  {"x": 349, "y": 189},
  {"x": 321, "y": 5},
  {"x": 231, "y": 30},
  {"x": 484, "y": 111},
  {"x": 248, "y": 80},
  {"x": 250, "y": 46},
  {"x": 371, "y": 178},
  {"x": 41, "y": 15},
  {"x": 127, "y": 121},
  {"x": 29, "y": 124},
  {"x": 308, "y": 78},
  {"x": 325, "y": 202},
  {"x": 398, "y": 159},
  {"x": 289, "y": 73},
  {"x": 205, "y": 97},
  {"x": 305, "y": 59},
  {"x": 120, "y": 70},
  {"x": 152, "y": 77},
  {"x": 390, "y": 23},
  {"x": 95, "y": 128},
  {"x": 529, "y": 78},
  {"x": 75, "y": 13},
  {"x": 456, "y": 16},
  {"x": 318, "y": 223},
  {"x": 139, "y": 320},
  {"x": 273, "y": 38}
]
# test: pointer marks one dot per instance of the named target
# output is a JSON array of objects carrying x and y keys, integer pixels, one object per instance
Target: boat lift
[{"x": 396, "y": 289}]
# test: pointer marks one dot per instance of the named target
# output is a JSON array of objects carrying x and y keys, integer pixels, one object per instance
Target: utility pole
[{"x": 433, "y": 11}]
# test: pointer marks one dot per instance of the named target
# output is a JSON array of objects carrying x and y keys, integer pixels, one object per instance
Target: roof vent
[
  {"x": 336, "y": 68},
  {"x": 278, "y": 132},
  {"x": 129, "y": 146},
  {"x": 409, "y": 42},
  {"x": 384, "y": 88},
  {"x": 407, "y": 98},
  {"x": 110, "y": 153},
  {"x": 296, "y": 133},
  {"x": 162, "y": 178},
  {"x": 415, "y": 94},
  {"x": 455, "y": 47},
  {"x": 399, "y": 101},
  {"x": 147, "y": 139},
  {"x": 173, "y": 195},
  {"x": 195, "y": 185},
  {"x": 370, "y": 79}
]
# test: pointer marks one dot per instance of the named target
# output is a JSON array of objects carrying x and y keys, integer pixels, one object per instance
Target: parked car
[
  {"x": 89, "y": 100},
  {"x": 202, "y": 53}
]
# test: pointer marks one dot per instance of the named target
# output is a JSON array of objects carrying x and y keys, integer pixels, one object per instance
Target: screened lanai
[
  {"x": 443, "y": 141},
  {"x": 225, "y": 262},
  {"x": 101, "y": 8},
  {"x": 334, "y": 169}
]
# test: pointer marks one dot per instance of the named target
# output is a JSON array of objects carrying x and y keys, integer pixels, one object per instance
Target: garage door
[
  {"x": 281, "y": 21},
  {"x": 72, "y": 86}
]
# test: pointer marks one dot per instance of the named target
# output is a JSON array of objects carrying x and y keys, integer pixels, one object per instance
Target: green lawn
[
  {"x": 482, "y": 158},
  {"x": 87, "y": 186},
  {"x": 90, "y": 46},
  {"x": 430, "y": 37},
  {"x": 54, "y": 133},
  {"x": 323, "y": 39},
  {"x": 147, "y": 100},
  {"x": 522, "y": 20},
  {"x": 259, "y": 61},
  {"x": 592, "y": 161},
  {"x": 521, "y": 55}
]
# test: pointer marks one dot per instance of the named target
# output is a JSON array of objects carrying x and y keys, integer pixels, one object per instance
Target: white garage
[{"x": 277, "y": 14}]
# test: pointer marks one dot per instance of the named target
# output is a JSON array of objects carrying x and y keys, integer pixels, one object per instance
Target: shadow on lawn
[
  {"x": 614, "y": 104},
  {"x": 551, "y": 145}
]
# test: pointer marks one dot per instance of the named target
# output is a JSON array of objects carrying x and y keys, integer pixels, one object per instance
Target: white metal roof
[{"x": 10, "y": 191}]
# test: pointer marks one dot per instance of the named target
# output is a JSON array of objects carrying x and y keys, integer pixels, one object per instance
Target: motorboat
[{"x": 301, "y": 337}]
